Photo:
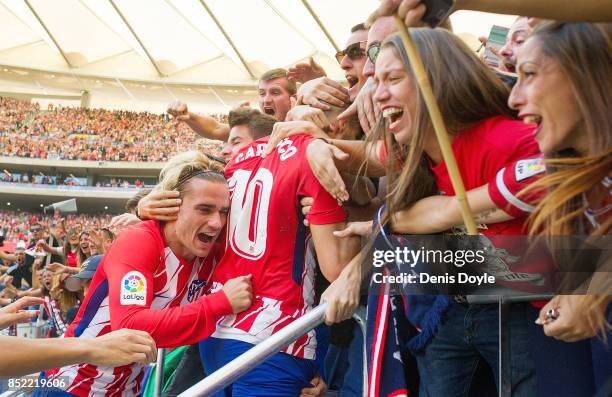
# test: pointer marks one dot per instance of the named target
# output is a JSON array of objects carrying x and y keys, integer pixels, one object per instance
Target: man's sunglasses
[
  {"x": 373, "y": 51},
  {"x": 353, "y": 51}
]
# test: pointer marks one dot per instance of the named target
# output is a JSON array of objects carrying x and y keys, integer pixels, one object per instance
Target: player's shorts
[{"x": 280, "y": 375}]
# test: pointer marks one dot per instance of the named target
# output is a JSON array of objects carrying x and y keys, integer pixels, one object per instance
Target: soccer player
[
  {"x": 154, "y": 278},
  {"x": 267, "y": 239}
]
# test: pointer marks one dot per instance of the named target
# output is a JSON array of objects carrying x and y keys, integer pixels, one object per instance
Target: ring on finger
[{"x": 552, "y": 314}]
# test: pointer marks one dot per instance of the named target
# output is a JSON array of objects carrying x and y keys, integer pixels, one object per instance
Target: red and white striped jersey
[
  {"x": 266, "y": 237},
  {"x": 140, "y": 284}
]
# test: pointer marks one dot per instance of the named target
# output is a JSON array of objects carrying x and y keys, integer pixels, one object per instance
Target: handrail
[
  {"x": 487, "y": 299},
  {"x": 159, "y": 373},
  {"x": 360, "y": 317},
  {"x": 227, "y": 374}
]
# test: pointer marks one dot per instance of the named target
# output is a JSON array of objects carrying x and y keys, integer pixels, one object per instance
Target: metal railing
[
  {"x": 233, "y": 370},
  {"x": 505, "y": 359},
  {"x": 272, "y": 346},
  {"x": 227, "y": 374}
]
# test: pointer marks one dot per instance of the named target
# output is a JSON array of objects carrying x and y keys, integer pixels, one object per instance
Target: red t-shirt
[
  {"x": 517, "y": 176},
  {"x": 140, "y": 284},
  {"x": 266, "y": 238},
  {"x": 511, "y": 180},
  {"x": 481, "y": 151},
  {"x": 71, "y": 258}
]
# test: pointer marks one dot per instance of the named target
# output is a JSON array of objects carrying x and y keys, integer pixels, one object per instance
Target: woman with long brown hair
[
  {"x": 485, "y": 138},
  {"x": 564, "y": 88}
]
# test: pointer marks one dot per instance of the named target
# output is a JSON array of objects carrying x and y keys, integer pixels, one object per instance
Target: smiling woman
[{"x": 468, "y": 93}]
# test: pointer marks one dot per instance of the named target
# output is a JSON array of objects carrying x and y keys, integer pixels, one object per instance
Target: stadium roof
[
  {"x": 187, "y": 41},
  {"x": 218, "y": 46}
]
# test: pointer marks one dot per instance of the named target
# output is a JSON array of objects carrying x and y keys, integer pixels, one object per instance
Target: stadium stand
[{"x": 67, "y": 133}]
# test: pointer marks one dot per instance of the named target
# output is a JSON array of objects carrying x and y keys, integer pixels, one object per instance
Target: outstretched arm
[
  {"x": 560, "y": 10},
  {"x": 21, "y": 356},
  {"x": 205, "y": 126},
  {"x": 438, "y": 213},
  {"x": 411, "y": 11}
]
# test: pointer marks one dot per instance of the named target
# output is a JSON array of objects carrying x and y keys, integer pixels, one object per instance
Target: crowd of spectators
[
  {"x": 70, "y": 180},
  {"x": 75, "y": 133},
  {"x": 15, "y": 225},
  {"x": 520, "y": 126},
  {"x": 42, "y": 179}
]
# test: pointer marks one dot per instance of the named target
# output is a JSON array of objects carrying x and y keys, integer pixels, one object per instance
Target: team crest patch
[
  {"x": 193, "y": 292},
  {"x": 133, "y": 289},
  {"x": 527, "y": 168}
]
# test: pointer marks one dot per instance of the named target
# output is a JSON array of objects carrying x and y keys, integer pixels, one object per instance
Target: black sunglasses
[
  {"x": 373, "y": 51},
  {"x": 353, "y": 51}
]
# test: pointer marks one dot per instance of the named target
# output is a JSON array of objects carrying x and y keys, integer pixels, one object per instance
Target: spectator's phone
[
  {"x": 437, "y": 11},
  {"x": 497, "y": 39}
]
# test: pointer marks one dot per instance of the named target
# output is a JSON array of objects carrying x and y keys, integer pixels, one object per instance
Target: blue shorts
[{"x": 280, "y": 375}]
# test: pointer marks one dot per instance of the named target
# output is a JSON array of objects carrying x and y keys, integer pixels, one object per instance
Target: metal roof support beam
[
  {"x": 20, "y": 46},
  {"x": 318, "y": 21},
  {"x": 39, "y": 19},
  {"x": 216, "y": 94},
  {"x": 118, "y": 11},
  {"x": 193, "y": 26},
  {"x": 228, "y": 38},
  {"x": 124, "y": 88},
  {"x": 288, "y": 22}
]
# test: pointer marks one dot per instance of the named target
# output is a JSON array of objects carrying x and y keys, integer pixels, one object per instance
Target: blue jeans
[
  {"x": 280, "y": 375},
  {"x": 468, "y": 334},
  {"x": 569, "y": 369},
  {"x": 344, "y": 366}
]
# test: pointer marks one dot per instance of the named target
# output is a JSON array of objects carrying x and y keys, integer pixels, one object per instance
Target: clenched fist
[
  {"x": 239, "y": 292},
  {"x": 178, "y": 110}
]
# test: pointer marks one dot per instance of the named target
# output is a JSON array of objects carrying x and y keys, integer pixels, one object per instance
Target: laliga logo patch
[
  {"x": 133, "y": 289},
  {"x": 528, "y": 168},
  {"x": 194, "y": 290}
]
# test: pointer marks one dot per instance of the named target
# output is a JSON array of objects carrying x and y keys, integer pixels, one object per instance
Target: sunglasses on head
[
  {"x": 353, "y": 51},
  {"x": 373, "y": 51}
]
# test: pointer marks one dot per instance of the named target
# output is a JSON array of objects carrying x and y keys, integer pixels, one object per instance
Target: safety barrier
[{"x": 259, "y": 353}]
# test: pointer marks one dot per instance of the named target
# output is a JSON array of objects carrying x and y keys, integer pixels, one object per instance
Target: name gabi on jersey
[
  {"x": 134, "y": 289},
  {"x": 285, "y": 150}
]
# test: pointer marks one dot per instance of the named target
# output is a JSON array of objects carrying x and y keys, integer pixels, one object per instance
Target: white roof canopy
[
  {"x": 221, "y": 47},
  {"x": 182, "y": 41}
]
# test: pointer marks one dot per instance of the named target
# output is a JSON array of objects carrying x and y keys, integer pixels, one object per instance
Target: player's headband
[{"x": 188, "y": 176}]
